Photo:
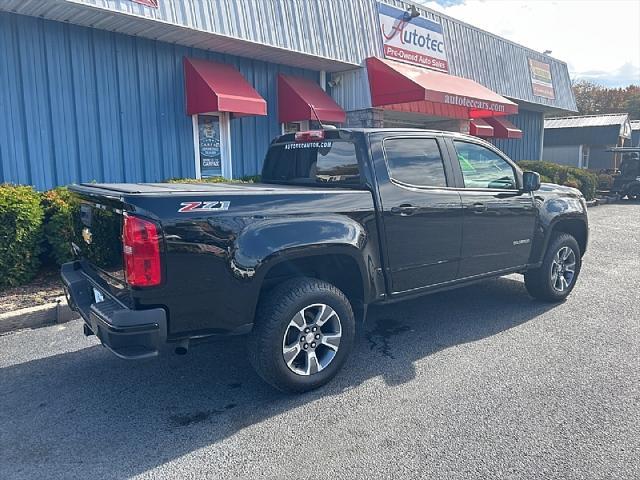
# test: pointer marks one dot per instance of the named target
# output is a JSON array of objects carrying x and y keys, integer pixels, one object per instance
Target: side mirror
[{"x": 530, "y": 181}]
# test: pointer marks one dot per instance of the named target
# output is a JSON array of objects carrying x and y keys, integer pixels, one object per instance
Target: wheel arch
[
  {"x": 575, "y": 227},
  {"x": 340, "y": 266}
]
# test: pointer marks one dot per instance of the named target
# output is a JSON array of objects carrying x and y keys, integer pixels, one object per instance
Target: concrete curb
[
  {"x": 605, "y": 200},
  {"x": 35, "y": 317}
]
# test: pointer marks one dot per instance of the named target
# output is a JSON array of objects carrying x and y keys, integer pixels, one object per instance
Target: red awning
[
  {"x": 407, "y": 88},
  {"x": 479, "y": 128},
  {"x": 218, "y": 87},
  {"x": 296, "y": 96},
  {"x": 503, "y": 128}
]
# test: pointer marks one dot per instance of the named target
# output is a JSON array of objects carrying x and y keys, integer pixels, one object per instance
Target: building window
[
  {"x": 211, "y": 139},
  {"x": 293, "y": 127},
  {"x": 304, "y": 125}
]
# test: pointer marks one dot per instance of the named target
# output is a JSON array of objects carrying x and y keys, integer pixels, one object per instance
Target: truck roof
[{"x": 288, "y": 137}]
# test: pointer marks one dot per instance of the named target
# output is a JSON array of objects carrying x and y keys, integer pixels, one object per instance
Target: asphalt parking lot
[{"x": 482, "y": 382}]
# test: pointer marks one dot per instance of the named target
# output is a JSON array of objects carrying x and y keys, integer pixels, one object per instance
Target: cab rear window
[{"x": 325, "y": 162}]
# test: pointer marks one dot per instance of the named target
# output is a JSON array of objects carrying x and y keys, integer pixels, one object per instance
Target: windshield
[{"x": 327, "y": 162}]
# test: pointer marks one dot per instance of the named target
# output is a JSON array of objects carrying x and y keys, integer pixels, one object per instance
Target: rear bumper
[{"x": 129, "y": 334}]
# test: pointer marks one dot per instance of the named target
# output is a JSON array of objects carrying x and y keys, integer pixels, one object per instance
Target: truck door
[
  {"x": 421, "y": 214},
  {"x": 499, "y": 219}
]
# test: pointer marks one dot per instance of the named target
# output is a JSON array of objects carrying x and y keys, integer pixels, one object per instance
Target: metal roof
[
  {"x": 327, "y": 35},
  {"x": 331, "y": 35},
  {"x": 586, "y": 121}
]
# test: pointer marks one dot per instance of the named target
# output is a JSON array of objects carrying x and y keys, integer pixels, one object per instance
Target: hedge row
[
  {"x": 579, "y": 178},
  {"x": 248, "y": 179},
  {"x": 35, "y": 229},
  {"x": 20, "y": 234}
]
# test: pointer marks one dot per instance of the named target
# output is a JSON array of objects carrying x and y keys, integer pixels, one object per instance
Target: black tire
[
  {"x": 540, "y": 281},
  {"x": 275, "y": 312}
]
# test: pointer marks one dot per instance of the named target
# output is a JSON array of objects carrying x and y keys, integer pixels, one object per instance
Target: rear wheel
[
  {"x": 303, "y": 334},
  {"x": 557, "y": 275}
]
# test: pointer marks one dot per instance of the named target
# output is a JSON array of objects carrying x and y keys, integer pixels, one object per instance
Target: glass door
[{"x": 211, "y": 144}]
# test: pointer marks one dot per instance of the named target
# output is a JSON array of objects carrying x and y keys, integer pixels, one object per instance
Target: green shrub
[
  {"x": 60, "y": 209},
  {"x": 247, "y": 179},
  {"x": 579, "y": 178},
  {"x": 198, "y": 180},
  {"x": 20, "y": 234},
  {"x": 545, "y": 179},
  {"x": 588, "y": 182}
]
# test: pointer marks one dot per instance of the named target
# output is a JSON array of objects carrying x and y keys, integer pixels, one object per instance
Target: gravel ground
[
  {"x": 45, "y": 288},
  {"x": 481, "y": 382}
]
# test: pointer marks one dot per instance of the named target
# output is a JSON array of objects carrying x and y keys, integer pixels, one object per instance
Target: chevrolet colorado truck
[{"x": 343, "y": 219}]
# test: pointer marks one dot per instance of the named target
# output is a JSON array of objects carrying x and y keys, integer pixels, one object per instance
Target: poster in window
[
  {"x": 209, "y": 146},
  {"x": 541, "y": 80}
]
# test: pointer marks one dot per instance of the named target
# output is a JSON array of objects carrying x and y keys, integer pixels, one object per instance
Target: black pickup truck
[{"x": 344, "y": 218}]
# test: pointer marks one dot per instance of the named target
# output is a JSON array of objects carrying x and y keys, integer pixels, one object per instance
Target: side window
[
  {"x": 415, "y": 161},
  {"x": 482, "y": 168}
]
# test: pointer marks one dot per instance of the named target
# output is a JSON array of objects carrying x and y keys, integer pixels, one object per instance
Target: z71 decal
[{"x": 214, "y": 206}]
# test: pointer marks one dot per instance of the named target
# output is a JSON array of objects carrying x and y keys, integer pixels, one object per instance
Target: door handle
[
  {"x": 478, "y": 207},
  {"x": 404, "y": 210}
]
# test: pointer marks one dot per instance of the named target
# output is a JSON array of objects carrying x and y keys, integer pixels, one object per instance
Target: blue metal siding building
[
  {"x": 529, "y": 147},
  {"x": 80, "y": 104},
  {"x": 95, "y": 89}
]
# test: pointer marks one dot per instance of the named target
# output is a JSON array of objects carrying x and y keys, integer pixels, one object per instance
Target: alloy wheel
[
  {"x": 311, "y": 340},
  {"x": 563, "y": 269}
]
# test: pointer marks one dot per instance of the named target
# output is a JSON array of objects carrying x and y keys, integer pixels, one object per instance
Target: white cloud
[{"x": 599, "y": 39}]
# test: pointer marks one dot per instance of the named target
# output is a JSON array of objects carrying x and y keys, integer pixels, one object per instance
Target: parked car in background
[{"x": 345, "y": 218}]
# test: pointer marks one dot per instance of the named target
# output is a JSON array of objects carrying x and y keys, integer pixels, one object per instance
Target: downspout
[{"x": 541, "y": 139}]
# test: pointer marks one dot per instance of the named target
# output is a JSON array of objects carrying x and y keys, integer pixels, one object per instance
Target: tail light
[
  {"x": 309, "y": 136},
  {"x": 141, "y": 250}
]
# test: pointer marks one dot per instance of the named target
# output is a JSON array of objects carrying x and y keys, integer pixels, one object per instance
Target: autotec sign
[
  {"x": 474, "y": 103},
  {"x": 413, "y": 40}
]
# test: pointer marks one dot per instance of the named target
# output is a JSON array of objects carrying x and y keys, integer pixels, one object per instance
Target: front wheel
[
  {"x": 557, "y": 275},
  {"x": 303, "y": 333}
]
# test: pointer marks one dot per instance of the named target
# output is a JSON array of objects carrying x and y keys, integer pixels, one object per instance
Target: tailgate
[{"x": 97, "y": 239}]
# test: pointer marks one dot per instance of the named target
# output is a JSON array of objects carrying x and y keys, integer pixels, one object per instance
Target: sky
[{"x": 598, "y": 39}]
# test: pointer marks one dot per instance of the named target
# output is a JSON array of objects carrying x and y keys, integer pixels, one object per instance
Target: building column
[
  {"x": 367, "y": 118},
  {"x": 453, "y": 125}
]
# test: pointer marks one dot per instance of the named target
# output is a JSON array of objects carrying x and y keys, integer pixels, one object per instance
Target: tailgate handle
[{"x": 404, "y": 210}]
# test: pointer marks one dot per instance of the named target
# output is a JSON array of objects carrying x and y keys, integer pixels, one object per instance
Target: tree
[{"x": 593, "y": 99}]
